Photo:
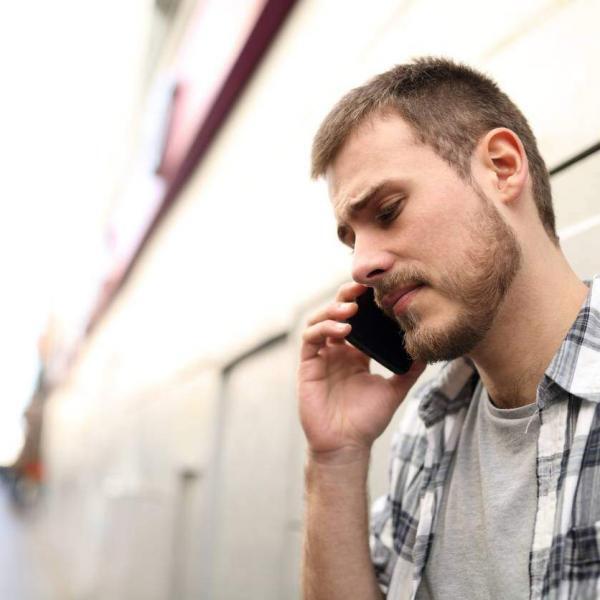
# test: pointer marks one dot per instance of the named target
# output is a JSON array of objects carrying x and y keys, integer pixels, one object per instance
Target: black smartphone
[{"x": 377, "y": 335}]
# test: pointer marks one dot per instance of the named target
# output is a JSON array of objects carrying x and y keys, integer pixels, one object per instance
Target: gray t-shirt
[{"x": 484, "y": 533}]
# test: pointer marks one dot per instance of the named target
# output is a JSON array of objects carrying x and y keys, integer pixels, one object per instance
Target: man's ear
[{"x": 504, "y": 158}]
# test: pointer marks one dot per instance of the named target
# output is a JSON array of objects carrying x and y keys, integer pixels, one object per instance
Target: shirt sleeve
[{"x": 394, "y": 517}]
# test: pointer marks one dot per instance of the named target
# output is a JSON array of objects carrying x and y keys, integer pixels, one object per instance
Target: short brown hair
[{"x": 449, "y": 107}]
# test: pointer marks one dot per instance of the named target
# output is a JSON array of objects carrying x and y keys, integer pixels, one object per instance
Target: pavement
[{"x": 27, "y": 568}]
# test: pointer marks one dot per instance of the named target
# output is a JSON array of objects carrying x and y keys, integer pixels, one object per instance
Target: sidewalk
[{"x": 25, "y": 569}]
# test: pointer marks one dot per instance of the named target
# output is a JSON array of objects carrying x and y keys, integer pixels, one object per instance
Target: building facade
[{"x": 172, "y": 446}]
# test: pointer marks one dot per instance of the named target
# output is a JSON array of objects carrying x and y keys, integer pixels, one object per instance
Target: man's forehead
[
  {"x": 347, "y": 184},
  {"x": 340, "y": 196},
  {"x": 334, "y": 190},
  {"x": 378, "y": 145}
]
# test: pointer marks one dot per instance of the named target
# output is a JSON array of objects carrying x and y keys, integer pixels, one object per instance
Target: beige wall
[
  {"x": 248, "y": 250},
  {"x": 227, "y": 264}
]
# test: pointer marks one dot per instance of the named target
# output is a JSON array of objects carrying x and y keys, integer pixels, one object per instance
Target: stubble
[{"x": 488, "y": 268}]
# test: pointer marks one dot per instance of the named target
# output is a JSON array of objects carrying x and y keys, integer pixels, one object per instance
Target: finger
[
  {"x": 315, "y": 337},
  {"x": 351, "y": 351},
  {"x": 318, "y": 333},
  {"x": 350, "y": 291},
  {"x": 338, "y": 311},
  {"x": 343, "y": 306}
]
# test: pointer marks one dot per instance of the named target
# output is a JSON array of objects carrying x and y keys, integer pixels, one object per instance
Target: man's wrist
[
  {"x": 343, "y": 471},
  {"x": 340, "y": 457}
]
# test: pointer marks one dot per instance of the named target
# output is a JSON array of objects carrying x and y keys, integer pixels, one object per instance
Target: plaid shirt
[{"x": 564, "y": 560}]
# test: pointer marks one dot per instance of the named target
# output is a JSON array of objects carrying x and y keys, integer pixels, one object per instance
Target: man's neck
[{"x": 536, "y": 315}]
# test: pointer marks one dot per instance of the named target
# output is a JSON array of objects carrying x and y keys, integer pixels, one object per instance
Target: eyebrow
[
  {"x": 363, "y": 201},
  {"x": 360, "y": 203}
]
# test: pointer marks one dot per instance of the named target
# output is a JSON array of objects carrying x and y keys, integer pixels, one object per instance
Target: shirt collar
[
  {"x": 576, "y": 365},
  {"x": 449, "y": 391}
]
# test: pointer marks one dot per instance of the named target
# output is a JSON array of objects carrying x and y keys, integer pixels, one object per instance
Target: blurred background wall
[{"x": 171, "y": 452}]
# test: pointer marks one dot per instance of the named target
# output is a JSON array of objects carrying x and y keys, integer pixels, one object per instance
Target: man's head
[
  {"x": 449, "y": 107},
  {"x": 422, "y": 163}
]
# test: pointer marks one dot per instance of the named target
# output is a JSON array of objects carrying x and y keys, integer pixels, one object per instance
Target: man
[{"x": 438, "y": 187}]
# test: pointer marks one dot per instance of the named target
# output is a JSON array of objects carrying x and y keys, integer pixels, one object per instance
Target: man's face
[{"x": 412, "y": 221}]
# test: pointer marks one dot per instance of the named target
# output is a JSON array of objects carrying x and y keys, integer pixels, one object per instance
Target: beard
[{"x": 490, "y": 265}]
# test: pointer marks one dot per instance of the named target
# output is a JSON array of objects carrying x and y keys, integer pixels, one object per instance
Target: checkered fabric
[{"x": 564, "y": 561}]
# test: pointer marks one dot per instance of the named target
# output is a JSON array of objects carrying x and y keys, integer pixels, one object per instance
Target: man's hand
[{"x": 343, "y": 407}]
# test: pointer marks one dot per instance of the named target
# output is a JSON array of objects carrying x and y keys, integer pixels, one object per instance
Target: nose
[{"x": 370, "y": 264}]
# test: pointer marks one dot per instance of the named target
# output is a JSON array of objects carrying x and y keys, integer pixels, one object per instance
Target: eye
[
  {"x": 388, "y": 213},
  {"x": 345, "y": 236}
]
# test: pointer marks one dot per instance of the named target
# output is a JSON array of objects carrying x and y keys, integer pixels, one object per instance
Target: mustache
[{"x": 397, "y": 279}]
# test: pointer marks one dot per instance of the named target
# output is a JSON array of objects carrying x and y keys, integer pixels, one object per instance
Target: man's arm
[
  {"x": 337, "y": 563},
  {"x": 343, "y": 409}
]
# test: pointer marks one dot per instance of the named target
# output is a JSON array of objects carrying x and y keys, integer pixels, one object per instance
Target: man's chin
[
  {"x": 429, "y": 355},
  {"x": 433, "y": 346}
]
